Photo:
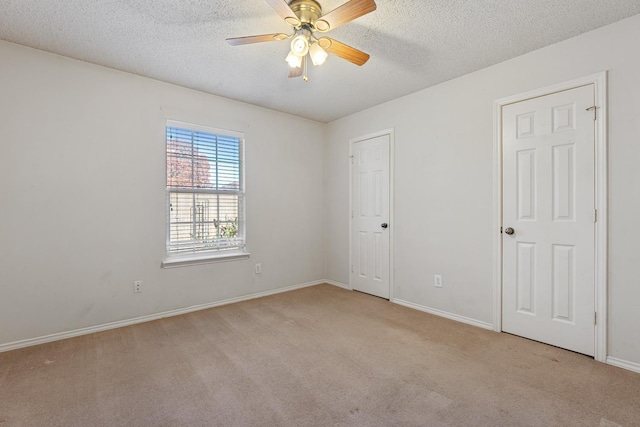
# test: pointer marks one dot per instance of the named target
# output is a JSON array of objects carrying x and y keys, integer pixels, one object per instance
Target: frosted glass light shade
[
  {"x": 294, "y": 60},
  {"x": 300, "y": 45},
  {"x": 318, "y": 54}
]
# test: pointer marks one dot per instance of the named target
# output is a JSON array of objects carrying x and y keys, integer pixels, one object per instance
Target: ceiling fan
[{"x": 306, "y": 18}]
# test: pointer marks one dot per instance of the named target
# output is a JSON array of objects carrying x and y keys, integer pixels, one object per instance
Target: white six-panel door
[
  {"x": 548, "y": 203},
  {"x": 370, "y": 216}
]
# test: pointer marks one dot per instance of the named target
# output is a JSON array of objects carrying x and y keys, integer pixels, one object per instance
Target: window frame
[{"x": 214, "y": 255}]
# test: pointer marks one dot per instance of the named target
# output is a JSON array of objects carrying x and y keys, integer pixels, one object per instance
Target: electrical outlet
[
  {"x": 137, "y": 286},
  {"x": 258, "y": 267},
  {"x": 437, "y": 281}
]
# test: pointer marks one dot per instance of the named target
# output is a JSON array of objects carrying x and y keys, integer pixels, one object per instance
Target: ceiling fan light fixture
[
  {"x": 318, "y": 54},
  {"x": 294, "y": 60},
  {"x": 306, "y": 18},
  {"x": 300, "y": 45}
]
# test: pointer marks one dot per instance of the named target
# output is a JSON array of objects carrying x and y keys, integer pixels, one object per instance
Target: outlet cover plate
[{"x": 437, "y": 281}]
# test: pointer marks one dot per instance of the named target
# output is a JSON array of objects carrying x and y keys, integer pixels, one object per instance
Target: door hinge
[
  {"x": 352, "y": 268},
  {"x": 594, "y": 108},
  {"x": 500, "y": 230},
  {"x": 595, "y": 318},
  {"x": 351, "y": 214},
  {"x": 351, "y": 157},
  {"x": 595, "y": 215}
]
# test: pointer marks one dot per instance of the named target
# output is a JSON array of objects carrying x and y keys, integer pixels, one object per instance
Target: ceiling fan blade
[
  {"x": 283, "y": 9},
  {"x": 295, "y": 72},
  {"x": 236, "y": 41},
  {"x": 347, "y": 12},
  {"x": 343, "y": 51}
]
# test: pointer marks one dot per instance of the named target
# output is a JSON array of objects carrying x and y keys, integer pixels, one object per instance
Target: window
[{"x": 205, "y": 191}]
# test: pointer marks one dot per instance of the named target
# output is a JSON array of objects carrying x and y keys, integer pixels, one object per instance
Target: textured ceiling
[{"x": 413, "y": 44}]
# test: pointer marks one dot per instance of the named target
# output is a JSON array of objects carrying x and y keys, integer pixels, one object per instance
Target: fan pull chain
[{"x": 304, "y": 69}]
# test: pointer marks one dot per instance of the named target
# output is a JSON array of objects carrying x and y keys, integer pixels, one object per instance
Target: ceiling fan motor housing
[{"x": 307, "y": 11}]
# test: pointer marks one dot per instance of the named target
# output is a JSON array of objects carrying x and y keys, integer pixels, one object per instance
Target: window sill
[{"x": 183, "y": 261}]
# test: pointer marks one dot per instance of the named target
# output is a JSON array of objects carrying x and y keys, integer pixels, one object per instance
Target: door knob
[
  {"x": 509, "y": 231},
  {"x": 384, "y": 225}
]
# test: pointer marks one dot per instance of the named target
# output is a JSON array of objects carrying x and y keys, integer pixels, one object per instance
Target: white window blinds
[{"x": 205, "y": 190}]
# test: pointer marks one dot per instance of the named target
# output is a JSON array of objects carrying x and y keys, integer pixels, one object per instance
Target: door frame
[
  {"x": 599, "y": 80},
  {"x": 352, "y": 142}
]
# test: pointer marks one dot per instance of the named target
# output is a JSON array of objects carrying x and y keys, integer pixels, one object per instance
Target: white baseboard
[
  {"x": 467, "y": 320},
  {"x": 121, "y": 323},
  {"x": 632, "y": 366},
  {"x": 338, "y": 284}
]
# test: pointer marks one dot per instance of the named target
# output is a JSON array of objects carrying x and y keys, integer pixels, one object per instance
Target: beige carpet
[{"x": 319, "y": 356}]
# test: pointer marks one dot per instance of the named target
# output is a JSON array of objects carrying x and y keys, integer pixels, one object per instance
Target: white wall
[
  {"x": 82, "y": 196},
  {"x": 443, "y": 178}
]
